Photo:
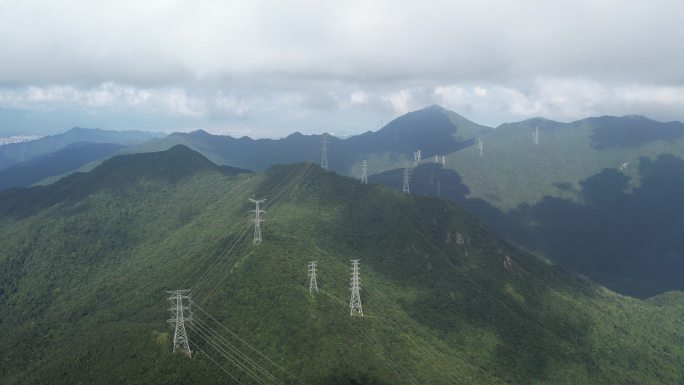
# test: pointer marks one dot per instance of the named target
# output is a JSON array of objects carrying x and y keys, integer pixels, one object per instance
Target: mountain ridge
[
  {"x": 14, "y": 153},
  {"x": 435, "y": 311}
]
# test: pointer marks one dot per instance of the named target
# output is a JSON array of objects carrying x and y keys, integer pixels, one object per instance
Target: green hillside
[
  {"x": 515, "y": 171},
  {"x": 85, "y": 263},
  {"x": 600, "y": 196}
]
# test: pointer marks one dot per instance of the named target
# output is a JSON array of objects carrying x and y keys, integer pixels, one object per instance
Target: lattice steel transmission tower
[
  {"x": 313, "y": 284},
  {"x": 324, "y": 152},
  {"x": 355, "y": 300},
  {"x": 417, "y": 156},
  {"x": 180, "y": 313},
  {"x": 535, "y": 136},
  {"x": 364, "y": 172},
  {"x": 407, "y": 174},
  {"x": 257, "y": 220},
  {"x": 480, "y": 146}
]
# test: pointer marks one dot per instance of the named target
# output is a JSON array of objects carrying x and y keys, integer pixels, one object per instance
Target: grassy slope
[{"x": 82, "y": 286}]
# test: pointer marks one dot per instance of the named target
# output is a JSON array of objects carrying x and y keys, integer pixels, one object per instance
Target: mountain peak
[
  {"x": 76, "y": 130},
  {"x": 174, "y": 164},
  {"x": 435, "y": 107},
  {"x": 200, "y": 132}
]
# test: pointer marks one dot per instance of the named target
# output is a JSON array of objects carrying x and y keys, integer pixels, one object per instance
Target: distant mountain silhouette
[
  {"x": 11, "y": 154},
  {"x": 67, "y": 159},
  {"x": 631, "y": 131},
  {"x": 433, "y": 130}
]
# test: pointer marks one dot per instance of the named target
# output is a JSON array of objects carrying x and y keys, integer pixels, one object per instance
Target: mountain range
[
  {"x": 598, "y": 196},
  {"x": 576, "y": 198},
  {"x": 86, "y": 262},
  {"x": 14, "y": 153},
  {"x": 433, "y": 129}
]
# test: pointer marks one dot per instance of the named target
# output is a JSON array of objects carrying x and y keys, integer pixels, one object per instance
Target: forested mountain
[
  {"x": 600, "y": 195},
  {"x": 86, "y": 261}
]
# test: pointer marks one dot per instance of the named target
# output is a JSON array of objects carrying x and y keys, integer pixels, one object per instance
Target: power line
[
  {"x": 297, "y": 175},
  {"x": 232, "y": 333},
  {"x": 234, "y": 355},
  {"x": 217, "y": 364},
  {"x": 218, "y": 348}
]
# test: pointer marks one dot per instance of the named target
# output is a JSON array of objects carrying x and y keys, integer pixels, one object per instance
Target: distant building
[{"x": 18, "y": 139}]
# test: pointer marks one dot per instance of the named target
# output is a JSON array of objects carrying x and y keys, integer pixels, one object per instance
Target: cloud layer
[{"x": 269, "y": 67}]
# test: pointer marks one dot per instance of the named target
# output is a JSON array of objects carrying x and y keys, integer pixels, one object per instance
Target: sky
[{"x": 268, "y": 68}]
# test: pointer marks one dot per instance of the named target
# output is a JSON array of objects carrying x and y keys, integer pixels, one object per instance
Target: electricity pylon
[
  {"x": 443, "y": 161},
  {"x": 406, "y": 188},
  {"x": 355, "y": 300},
  {"x": 480, "y": 146},
  {"x": 324, "y": 152},
  {"x": 257, "y": 220},
  {"x": 459, "y": 239},
  {"x": 416, "y": 157},
  {"x": 180, "y": 313},
  {"x": 313, "y": 284},
  {"x": 535, "y": 136},
  {"x": 364, "y": 172}
]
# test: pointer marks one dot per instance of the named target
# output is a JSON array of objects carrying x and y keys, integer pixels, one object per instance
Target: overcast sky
[{"x": 267, "y": 68}]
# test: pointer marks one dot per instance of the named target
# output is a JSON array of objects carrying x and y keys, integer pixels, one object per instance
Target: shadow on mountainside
[
  {"x": 627, "y": 240},
  {"x": 461, "y": 288}
]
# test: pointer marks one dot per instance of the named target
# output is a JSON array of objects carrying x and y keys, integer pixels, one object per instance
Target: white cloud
[
  {"x": 159, "y": 41},
  {"x": 400, "y": 101},
  {"x": 452, "y": 95},
  {"x": 169, "y": 101},
  {"x": 565, "y": 100},
  {"x": 289, "y": 65},
  {"x": 358, "y": 97}
]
